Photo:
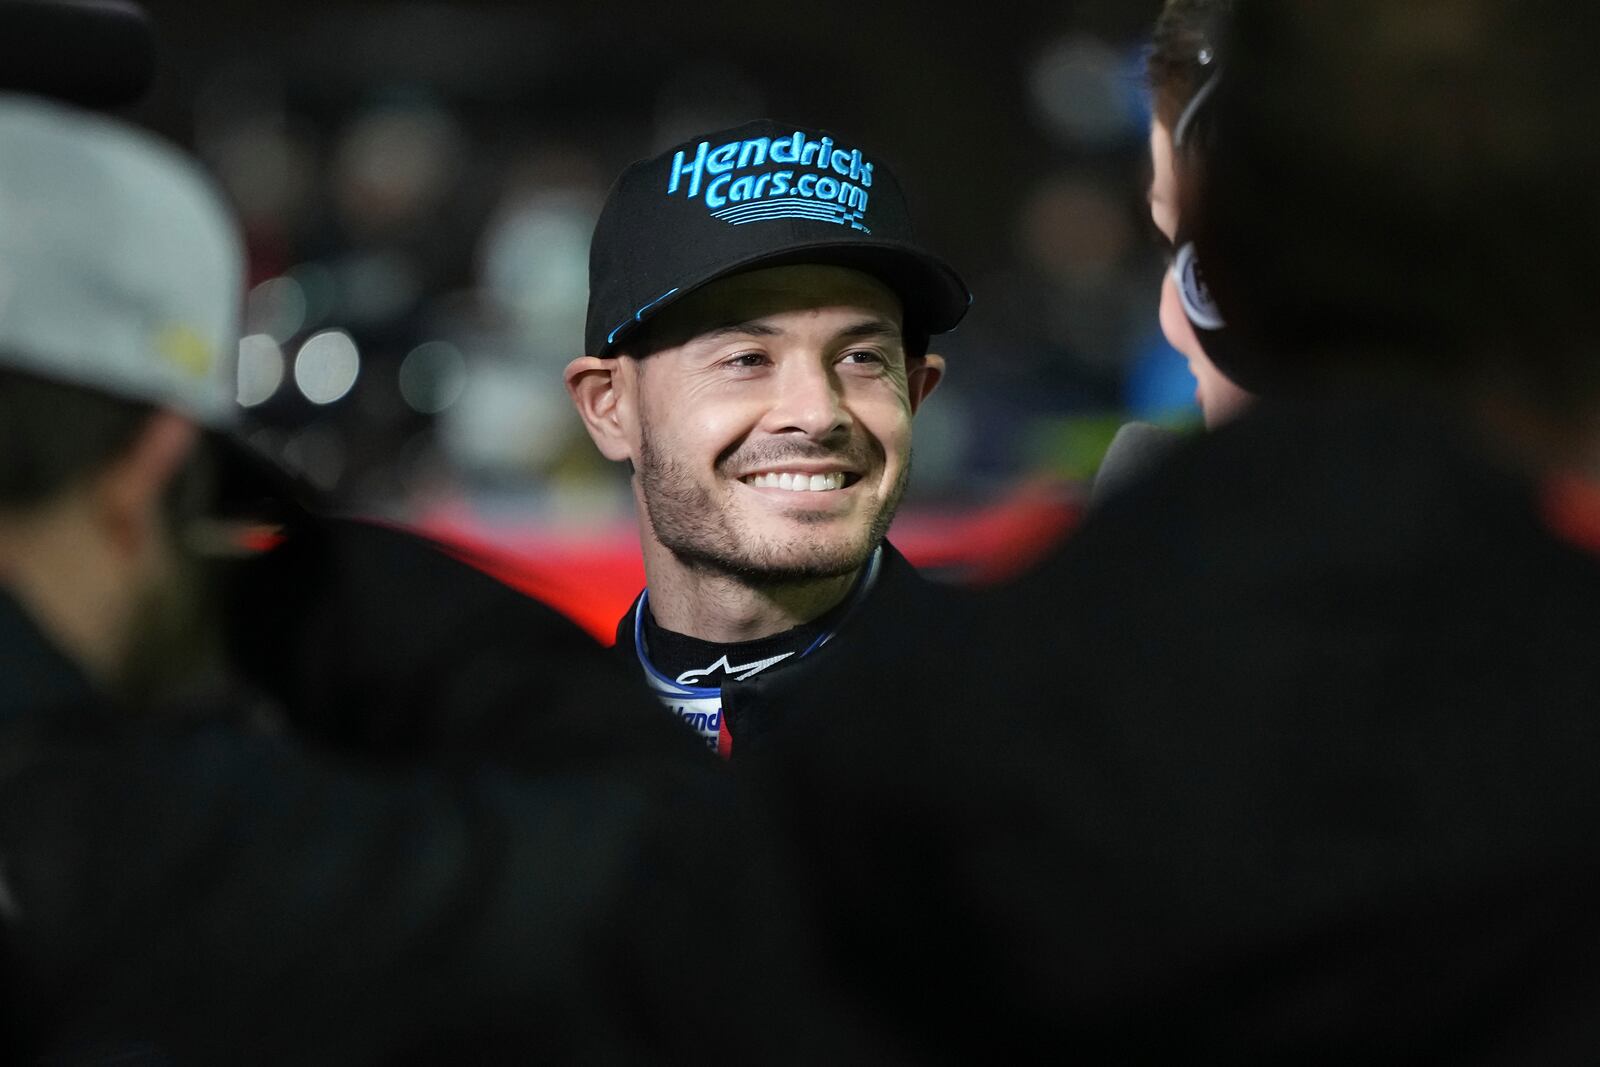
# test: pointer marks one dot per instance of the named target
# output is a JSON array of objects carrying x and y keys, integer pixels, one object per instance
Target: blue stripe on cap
[{"x": 639, "y": 315}]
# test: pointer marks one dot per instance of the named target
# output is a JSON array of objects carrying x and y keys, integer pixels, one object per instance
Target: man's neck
[{"x": 714, "y": 606}]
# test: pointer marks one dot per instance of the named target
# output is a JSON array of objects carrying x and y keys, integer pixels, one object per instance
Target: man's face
[
  {"x": 174, "y": 629},
  {"x": 773, "y": 423},
  {"x": 1218, "y": 397}
]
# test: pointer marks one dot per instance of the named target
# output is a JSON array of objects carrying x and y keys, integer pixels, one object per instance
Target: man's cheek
[{"x": 892, "y": 433}]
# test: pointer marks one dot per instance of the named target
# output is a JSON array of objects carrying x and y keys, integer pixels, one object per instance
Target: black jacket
[
  {"x": 902, "y": 608},
  {"x": 496, "y": 852},
  {"x": 1289, "y": 755}
]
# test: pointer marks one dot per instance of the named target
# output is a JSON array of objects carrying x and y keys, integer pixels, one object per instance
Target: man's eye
[
  {"x": 746, "y": 359},
  {"x": 863, "y": 356}
]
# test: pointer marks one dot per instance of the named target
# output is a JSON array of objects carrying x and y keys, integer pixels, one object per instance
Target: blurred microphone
[
  {"x": 1137, "y": 447},
  {"x": 93, "y": 53}
]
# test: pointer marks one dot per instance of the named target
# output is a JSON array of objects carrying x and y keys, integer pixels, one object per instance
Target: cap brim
[{"x": 933, "y": 298}]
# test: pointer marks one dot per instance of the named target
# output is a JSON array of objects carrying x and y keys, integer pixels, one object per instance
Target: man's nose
[{"x": 809, "y": 400}]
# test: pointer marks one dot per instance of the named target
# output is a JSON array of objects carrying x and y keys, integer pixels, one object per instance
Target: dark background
[
  {"x": 939, "y": 88},
  {"x": 380, "y": 154}
]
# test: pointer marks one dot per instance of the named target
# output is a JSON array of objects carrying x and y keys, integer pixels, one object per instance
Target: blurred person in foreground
[
  {"x": 1182, "y": 68},
  {"x": 759, "y": 316},
  {"x": 1288, "y": 754},
  {"x": 409, "y": 817}
]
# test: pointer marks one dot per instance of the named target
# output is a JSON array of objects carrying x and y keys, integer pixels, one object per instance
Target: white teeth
[{"x": 797, "y": 483}]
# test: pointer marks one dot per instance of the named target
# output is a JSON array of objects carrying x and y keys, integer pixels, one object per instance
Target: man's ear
[
  {"x": 128, "y": 495},
  {"x": 600, "y": 387},
  {"x": 922, "y": 377}
]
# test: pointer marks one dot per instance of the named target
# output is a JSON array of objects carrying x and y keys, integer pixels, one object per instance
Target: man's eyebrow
[
  {"x": 756, "y": 328},
  {"x": 871, "y": 328},
  {"x": 741, "y": 329}
]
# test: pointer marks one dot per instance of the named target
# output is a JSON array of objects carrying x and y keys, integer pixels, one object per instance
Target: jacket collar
[{"x": 886, "y": 565}]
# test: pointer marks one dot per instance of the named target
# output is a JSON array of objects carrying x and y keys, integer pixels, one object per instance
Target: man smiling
[{"x": 759, "y": 315}]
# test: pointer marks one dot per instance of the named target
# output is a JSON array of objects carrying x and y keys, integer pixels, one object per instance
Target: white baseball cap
[{"x": 120, "y": 268}]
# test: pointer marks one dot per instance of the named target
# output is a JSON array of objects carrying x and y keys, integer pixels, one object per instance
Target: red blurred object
[
  {"x": 592, "y": 576},
  {"x": 1571, "y": 505}
]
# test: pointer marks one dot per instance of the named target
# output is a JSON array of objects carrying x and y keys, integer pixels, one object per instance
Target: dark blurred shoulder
[{"x": 378, "y": 640}]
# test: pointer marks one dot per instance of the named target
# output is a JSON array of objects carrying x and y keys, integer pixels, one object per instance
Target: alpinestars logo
[
  {"x": 826, "y": 183},
  {"x": 738, "y": 673}
]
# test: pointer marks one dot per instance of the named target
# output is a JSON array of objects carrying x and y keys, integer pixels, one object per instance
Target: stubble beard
[
  {"x": 688, "y": 522},
  {"x": 175, "y": 641}
]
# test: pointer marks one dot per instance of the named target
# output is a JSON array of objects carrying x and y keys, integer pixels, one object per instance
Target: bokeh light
[
  {"x": 327, "y": 366},
  {"x": 432, "y": 377},
  {"x": 276, "y": 308},
  {"x": 261, "y": 367}
]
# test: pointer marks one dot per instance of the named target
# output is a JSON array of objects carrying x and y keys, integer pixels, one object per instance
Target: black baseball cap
[{"x": 763, "y": 194}]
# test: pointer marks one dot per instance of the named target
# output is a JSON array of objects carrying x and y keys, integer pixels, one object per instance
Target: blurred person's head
[
  {"x": 758, "y": 326},
  {"x": 1182, "y": 63},
  {"x": 95, "y": 495},
  {"x": 95, "y": 55},
  {"x": 1403, "y": 195},
  {"x": 120, "y": 283}
]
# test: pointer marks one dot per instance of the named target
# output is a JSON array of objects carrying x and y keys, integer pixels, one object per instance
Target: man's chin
[{"x": 799, "y": 565}]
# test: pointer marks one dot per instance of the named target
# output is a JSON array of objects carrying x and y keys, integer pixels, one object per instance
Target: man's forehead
[{"x": 759, "y": 294}]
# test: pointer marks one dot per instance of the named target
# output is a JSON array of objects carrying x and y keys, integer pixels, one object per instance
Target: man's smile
[{"x": 800, "y": 481}]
